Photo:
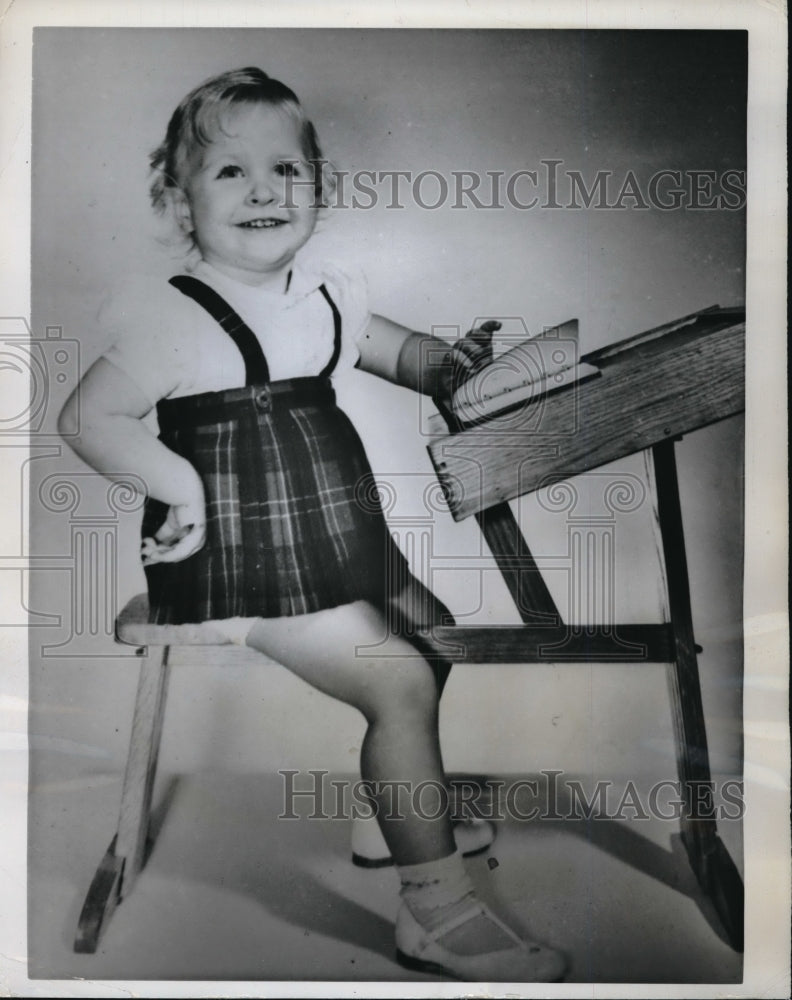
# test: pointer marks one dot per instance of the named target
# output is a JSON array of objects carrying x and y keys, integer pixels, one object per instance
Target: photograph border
[{"x": 766, "y": 824}]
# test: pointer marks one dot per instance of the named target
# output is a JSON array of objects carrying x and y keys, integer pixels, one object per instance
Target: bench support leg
[
  {"x": 127, "y": 852},
  {"x": 714, "y": 868}
]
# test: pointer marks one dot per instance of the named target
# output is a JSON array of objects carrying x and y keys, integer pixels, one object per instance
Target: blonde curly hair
[{"x": 198, "y": 118}]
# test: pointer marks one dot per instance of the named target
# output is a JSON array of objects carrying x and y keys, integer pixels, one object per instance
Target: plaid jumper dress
[{"x": 294, "y": 522}]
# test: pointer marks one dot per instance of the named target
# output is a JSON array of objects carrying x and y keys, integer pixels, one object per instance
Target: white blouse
[{"x": 170, "y": 346}]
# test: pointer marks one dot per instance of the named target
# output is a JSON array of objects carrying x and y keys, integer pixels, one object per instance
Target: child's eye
[
  {"x": 230, "y": 170},
  {"x": 288, "y": 168}
]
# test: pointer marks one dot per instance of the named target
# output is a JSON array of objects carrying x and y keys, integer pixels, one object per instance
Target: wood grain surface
[{"x": 651, "y": 390}]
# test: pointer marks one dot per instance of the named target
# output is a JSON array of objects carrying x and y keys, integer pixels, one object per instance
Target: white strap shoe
[
  {"x": 369, "y": 849},
  {"x": 522, "y": 962}
]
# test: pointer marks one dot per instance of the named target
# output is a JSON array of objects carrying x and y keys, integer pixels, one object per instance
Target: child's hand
[
  {"x": 182, "y": 534},
  {"x": 468, "y": 355},
  {"x": 473, "y": 352}
]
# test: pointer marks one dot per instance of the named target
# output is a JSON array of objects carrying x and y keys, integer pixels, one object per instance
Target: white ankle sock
[
  {"x": 434, "y": 890},
  {"x": 437, "y": 892}
]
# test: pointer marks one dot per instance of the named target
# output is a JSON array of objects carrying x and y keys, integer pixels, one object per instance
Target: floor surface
[{"x": 231, "y": 892}]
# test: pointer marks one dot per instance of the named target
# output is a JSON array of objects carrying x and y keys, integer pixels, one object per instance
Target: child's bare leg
[
  {"x": 396, "y": 693},
  {"x": 412, "y": 612},
  {"x": 441, "y": 926}
]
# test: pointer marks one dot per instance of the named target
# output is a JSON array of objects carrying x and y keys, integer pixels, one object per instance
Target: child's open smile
[{"x": 250, "y": 202}]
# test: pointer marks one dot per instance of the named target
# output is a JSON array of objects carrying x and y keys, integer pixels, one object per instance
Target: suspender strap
[
  {"x": 256, "y": 368},
  {"x": 328, "y": 368}
]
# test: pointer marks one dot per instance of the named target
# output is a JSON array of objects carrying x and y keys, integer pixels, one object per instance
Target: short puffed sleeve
[
  {"x": 140, "y": 319},
  {"x": 349, "y": 288}
]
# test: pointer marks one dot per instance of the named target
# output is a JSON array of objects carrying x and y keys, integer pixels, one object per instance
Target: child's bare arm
[
  {"x": 417, "y": 361},
  {"x": 424, "y": 363},
  {"x": 111, "y": 438},
  {"x": 101, "y": 420}
]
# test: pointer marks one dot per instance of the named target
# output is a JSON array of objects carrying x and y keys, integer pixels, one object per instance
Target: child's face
[{"x": 250, "y": 209}]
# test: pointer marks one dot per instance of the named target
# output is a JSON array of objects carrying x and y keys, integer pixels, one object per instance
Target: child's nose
[{"x": 260, "y": 192}]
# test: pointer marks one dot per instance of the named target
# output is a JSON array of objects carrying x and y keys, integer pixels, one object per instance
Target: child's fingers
[
  {"x": 182, "y": 545},
  {"x": 483, "y": 334},
  {"x": 474, "y": 351},
  {"x": 491, "y": 325},
  {"x": 170, "y": 536},
  {"x": 147, "y": 547},
  {"x": 152, "y": 551}
]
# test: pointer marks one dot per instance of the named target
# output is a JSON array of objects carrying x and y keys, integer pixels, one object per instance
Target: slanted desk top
[{"x": 653, "y": 387}]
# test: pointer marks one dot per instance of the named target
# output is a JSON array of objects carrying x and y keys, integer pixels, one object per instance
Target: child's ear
[{"x": 182, "y": 210}]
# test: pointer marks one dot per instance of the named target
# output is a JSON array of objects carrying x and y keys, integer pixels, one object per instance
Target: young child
[{"x": 258, "y": 517}]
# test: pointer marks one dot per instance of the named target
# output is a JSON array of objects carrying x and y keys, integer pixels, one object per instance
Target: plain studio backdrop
[{"x": 413, "y": 100}]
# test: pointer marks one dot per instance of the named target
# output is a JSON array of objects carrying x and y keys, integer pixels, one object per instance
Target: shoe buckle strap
[{"x": 474, "y": 909}]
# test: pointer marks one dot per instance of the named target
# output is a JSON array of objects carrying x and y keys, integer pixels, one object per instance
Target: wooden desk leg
[
  {"x": 714, "y": 868},
  {"x": 518, "y": 568},
  {"x": 520, "y": 573},
  {"x": 126, "y": 854}
]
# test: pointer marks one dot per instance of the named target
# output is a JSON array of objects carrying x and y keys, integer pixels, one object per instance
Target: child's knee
[{"x": 405, "y": 686}]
